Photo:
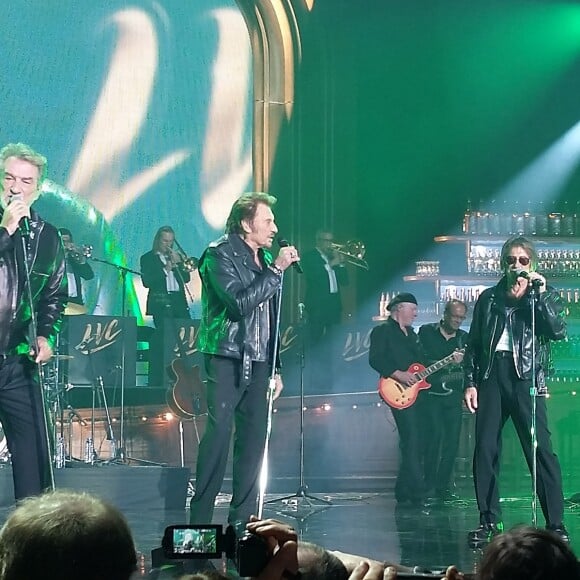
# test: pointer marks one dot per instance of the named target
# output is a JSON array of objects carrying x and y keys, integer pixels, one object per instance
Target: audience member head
[
  {"x": 317, "y": 563},
  {"x": 66, "y": 535},
  {"x": 527, "y": 553}
]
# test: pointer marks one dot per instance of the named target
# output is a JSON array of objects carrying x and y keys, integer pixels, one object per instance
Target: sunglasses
[{"x": 523, "y": 260}]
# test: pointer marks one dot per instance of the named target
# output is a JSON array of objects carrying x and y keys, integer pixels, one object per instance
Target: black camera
[{"x": 249, "y": 552}]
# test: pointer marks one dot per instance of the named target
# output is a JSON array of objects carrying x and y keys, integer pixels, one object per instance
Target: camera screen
[{"x": 194, "y": 541}]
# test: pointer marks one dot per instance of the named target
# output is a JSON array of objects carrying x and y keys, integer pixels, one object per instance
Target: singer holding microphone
[
  {"x": 498, "y": 378},
  {"x": 21, "y": 406},
  {"x": 240, "y": 281}
]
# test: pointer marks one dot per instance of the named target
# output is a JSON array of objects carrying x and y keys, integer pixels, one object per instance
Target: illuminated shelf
[
  {"x": 483, "y": 280},
  {"x": 485, "y": 239}
]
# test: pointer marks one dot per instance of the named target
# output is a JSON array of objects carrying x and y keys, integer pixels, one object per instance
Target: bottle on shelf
[
  {"x": 554, "y": 221},
  {"x": 517, "y": 219},
  {"x": 467, "y": 219},
  {"x": 482, "y": 220},
  {"x": 567, "y": 220},
  {"x": 506, "y": 220},
  {"x": 494, "y": 219},
  {"x": 542, "y": 227},
  {"x": 529, "y": 220}
]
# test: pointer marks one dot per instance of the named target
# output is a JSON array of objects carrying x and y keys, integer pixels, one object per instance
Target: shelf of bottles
[
  {"x": 509, "y": 218},
  {"x": 484, "y": 260}
]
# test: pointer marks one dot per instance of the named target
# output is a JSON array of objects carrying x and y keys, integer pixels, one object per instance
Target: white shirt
[
  {"x": 332, "y": 283},
  {"x": 170, "y": 279}
]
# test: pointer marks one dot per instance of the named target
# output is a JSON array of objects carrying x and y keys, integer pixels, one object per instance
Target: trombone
[
  {"x": 189, "y": 263},
  {"x": 353, "y": 252}
]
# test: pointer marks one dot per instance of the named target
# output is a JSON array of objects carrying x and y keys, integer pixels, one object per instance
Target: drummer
[{"x": 78, "y": 269}]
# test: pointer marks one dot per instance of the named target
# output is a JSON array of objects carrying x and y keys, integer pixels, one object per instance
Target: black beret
[{"x": 399, "y": 298}]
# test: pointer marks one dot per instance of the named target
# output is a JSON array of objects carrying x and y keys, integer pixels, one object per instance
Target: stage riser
[
  {"x": 350, "y": 446},
  {"x": 127, "y": 487}
]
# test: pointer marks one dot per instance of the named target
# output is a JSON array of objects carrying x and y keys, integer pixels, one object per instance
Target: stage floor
[{"x": 367, "y": 524}]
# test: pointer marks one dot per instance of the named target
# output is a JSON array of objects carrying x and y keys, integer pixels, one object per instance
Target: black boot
[{"x": 483, "y": 534}]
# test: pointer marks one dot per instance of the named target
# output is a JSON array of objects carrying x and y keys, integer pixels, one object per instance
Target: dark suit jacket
[
  {"x": 79, "y": 271},
  {"x": 322, "y": 307},
  {"x": 154, "y": 278}
]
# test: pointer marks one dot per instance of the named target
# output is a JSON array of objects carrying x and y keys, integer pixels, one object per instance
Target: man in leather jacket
[
  {"x": 21, "y": 409},
  {"x": 240, "y": 282},
  {"x": 498, "y": 378}
]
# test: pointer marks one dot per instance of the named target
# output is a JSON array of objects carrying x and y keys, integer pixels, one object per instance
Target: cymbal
[{"x": 73, "y": 309}]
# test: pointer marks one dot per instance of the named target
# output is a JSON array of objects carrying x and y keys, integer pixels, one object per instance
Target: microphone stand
[
  {"x": 271, "y": 390},
  {"x": 302, "y": 495},
  {"x": 123, "y": 271},
  {"x": 33, "y": 342},
  {"x": 534, "y": 291}
]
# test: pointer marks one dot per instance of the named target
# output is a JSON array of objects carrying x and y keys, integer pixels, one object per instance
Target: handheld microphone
[
  {"x": 526, "y": 275},
  {"x": 24, "y": 223},
  {"x": 284, "y": 244}
]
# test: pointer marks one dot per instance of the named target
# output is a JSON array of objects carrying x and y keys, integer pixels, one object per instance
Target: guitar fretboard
[{"x": 435, "y": 366}]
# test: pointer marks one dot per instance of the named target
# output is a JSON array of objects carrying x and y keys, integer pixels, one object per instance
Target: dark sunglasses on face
[{"x": 523, "y": 260}]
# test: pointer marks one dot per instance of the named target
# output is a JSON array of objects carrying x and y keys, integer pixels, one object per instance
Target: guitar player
[
  {"x": 443, "y": 401},
  {"x": 394, "y": 347}
]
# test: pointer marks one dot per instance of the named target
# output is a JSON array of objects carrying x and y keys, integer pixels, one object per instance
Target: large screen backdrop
[{"x": 143, "y": 110}]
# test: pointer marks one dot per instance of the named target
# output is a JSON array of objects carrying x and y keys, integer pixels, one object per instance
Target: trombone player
[
  {"x": 325, "y": 274},
  {"x": 164, "y": 271}
]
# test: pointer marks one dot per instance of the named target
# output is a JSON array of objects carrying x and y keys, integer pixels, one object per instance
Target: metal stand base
[{"x": 302, "y": 496}]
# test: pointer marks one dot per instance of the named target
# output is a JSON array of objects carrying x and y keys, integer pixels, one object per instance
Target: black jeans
[
  {"x": 443, "y": 415},
  {"x": 247, "y": 407},
  {"x": 501, "y": 396},
  {"x": 23, "y": 424},
  {"x": 410, "y": 424}
]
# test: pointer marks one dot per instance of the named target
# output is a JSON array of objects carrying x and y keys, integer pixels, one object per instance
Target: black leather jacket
[
  {"x": 489, "y": 319},
  {"x": 238, "y": 311},
  {"x": 48, "y": 284}
]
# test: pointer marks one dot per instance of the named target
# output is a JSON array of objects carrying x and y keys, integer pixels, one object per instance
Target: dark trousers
[
  {"x": 230, "y": 403},
  {"x": 162, "y": 319},
  {"x": 501, "y": 396},
  {"x": 410, "y": 424},
  {"x": 23, "y": 424},
  {"x": 443, "y": 427}
]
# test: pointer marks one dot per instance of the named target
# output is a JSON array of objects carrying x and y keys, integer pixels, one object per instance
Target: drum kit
[{"x": 60, "y": 412}]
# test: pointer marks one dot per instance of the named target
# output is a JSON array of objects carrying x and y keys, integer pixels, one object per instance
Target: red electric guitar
[{"x": 399, "y": 396}]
